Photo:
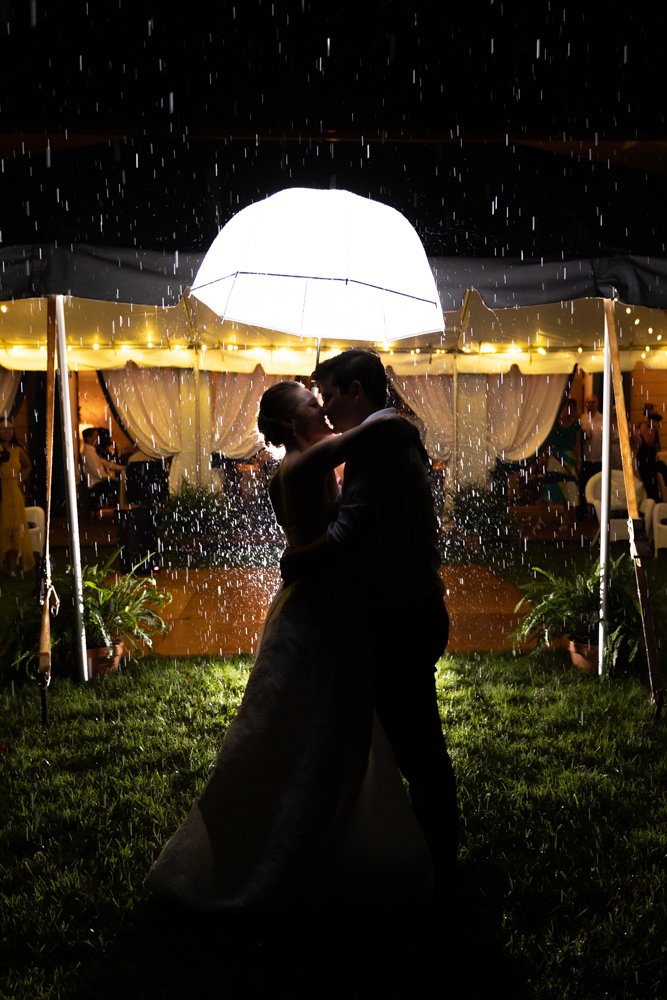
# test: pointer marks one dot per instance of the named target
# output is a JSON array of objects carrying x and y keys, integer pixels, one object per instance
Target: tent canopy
[{"x": 120, "y": 305}]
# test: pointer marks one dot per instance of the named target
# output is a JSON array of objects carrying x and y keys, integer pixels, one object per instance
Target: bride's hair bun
[{"x": 275, "y": 408}]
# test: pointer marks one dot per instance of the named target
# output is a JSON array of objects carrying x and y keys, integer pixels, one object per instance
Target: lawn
[{"x": 561, "y": 890}]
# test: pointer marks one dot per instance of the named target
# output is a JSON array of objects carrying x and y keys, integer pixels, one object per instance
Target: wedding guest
[
  {"x": 591, "y": 431},
  {"x": 648, "y": 446},
  {"x": 15, "y": 546},
  {"x": 100, "y": 474}
]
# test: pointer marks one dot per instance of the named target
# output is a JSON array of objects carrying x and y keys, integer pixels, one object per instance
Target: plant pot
[
  {"x": 584, "y": 656},
  {"x": 99, "y": 661}
]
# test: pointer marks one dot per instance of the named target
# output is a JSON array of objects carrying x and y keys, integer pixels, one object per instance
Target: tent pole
[
  {"x": 48, "y": 597},
  {"x": 605, "y": 500},
  {"x": 197, "y": 374},
  {"x": 639, "y": 545},
  {"x": 72, "y": 511},
  {"x": 465, "y": 311},
  {"x": 455, "y": 408}
]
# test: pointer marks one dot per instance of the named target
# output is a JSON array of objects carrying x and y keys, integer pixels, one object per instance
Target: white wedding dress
[{"x": 305, "y": 806}]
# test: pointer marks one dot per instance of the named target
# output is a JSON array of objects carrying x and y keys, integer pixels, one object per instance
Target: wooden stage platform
[{"x": 220, "y": 612}]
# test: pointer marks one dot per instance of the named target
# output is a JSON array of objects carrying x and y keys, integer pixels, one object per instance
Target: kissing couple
[{"x": 334, "y": 784}]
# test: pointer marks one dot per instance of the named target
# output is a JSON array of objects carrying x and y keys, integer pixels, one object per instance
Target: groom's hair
[{"x": 356, "y": 365}]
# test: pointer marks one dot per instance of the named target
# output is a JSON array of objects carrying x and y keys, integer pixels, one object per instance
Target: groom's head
[{"x": 353, "y": 385}]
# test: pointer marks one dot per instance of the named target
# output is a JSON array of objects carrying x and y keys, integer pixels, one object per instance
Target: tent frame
[{"x": 639, "y": 545}]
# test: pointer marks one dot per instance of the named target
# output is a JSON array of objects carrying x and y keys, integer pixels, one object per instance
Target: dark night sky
[{"x": 126, "y": 124}]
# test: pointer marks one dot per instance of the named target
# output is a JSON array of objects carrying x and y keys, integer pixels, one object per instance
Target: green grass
[
  {"x": 562, "y": 872},
  {"x": 561, "y": 784}
]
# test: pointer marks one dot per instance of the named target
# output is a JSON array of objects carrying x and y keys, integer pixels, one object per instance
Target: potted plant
[
  {"x": 568, "y": 606},
  {"x": 120, "y": 614}
]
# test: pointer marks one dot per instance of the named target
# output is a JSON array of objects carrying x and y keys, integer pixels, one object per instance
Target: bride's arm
[{"x": 332, "y": 451}]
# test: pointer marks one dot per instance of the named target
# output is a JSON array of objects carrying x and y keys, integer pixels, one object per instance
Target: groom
[{"x": 384, "y": 539}]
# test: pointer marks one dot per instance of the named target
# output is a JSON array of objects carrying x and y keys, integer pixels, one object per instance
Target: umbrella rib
[{"x": 312, "y": 277}]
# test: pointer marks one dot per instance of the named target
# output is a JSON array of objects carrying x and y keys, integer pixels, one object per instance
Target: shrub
[
  {"x": 477, "y": 525},
  {"x": 205, "y": 528}
]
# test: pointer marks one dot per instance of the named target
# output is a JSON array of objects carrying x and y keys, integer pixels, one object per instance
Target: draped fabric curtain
[
  {"x": 521, "y": 412},
  {"x": 235, "y": 407},
  {"x": 9, "y": 386},
  {"x": 167, "y": 412},
  {"x": 431, "y": 399}
]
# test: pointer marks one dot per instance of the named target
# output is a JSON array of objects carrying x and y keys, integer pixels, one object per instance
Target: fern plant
[
  {"x": 120, "y": 607},
  {"x": 569, "y": 605},
  {"x": 116, "y": 607}
]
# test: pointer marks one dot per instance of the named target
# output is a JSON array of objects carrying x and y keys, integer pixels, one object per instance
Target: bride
[{"x": 305, "y": 806}]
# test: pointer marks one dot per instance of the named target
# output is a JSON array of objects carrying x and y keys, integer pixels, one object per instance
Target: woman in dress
[
  {"x": 15, "y": 546},
  {"x": 305, "y": 806}
]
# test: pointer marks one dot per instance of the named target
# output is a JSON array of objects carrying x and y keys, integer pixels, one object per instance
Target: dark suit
[{"x": 385, "y": 541}]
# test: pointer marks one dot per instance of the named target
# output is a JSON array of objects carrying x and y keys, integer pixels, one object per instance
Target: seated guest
[
  {"x": 147, "y": 478},
  {"x": 106, "y": 446},
  {"x": 100, "y": 474}
]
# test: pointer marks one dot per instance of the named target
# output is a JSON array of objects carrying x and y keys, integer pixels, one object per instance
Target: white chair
[
  {"x": 36, "y": 519},
  {"x": 662, "y": 486},
  {"x": 618, "y": 508},
  {"x": 659, "y": 528}
]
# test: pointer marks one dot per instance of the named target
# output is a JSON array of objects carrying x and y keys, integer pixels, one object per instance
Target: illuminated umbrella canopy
[{"x": 322, "y": 264}]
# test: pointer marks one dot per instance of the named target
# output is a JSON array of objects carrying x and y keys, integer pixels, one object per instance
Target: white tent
[
  {"x": 505, "y": 322},
  {"x": 501, "y": 318}
]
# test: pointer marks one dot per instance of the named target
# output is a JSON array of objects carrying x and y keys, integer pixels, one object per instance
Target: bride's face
[{"x": 308, "y": 417}]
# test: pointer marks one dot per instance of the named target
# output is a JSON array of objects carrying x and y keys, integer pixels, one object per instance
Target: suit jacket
[{"x": 385, "y": 534}]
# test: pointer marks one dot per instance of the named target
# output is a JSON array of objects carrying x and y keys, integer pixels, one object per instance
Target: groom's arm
[
  {"x": 347, "y": 539},
  {"x": 353, "y": 535},
  {"x": 299, "y": 561}
]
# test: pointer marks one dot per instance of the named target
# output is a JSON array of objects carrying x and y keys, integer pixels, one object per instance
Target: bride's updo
[{"x": 275, "y": 408}]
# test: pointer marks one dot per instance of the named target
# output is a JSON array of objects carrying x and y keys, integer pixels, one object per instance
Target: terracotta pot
[
  {"x": 584, "y": 656},
  {"x": 99, "y": 661}
]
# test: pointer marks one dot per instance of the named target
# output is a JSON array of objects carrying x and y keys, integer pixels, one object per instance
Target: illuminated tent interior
[
  {"x": 509, "y": 325},
  {"x": 542, "y": 321}
]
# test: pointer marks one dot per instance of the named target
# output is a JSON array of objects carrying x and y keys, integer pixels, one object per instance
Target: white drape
[
  {"x": 9, "y": 386},
  {"x": 235, "y": 409},
  {"x": 430, "y": 397},
  {"x": 167, "y": 411},
  {"x": 521, "y": 412}
]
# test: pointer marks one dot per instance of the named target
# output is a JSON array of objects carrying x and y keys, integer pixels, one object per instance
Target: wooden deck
[{"x": 220, "y": 612}]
